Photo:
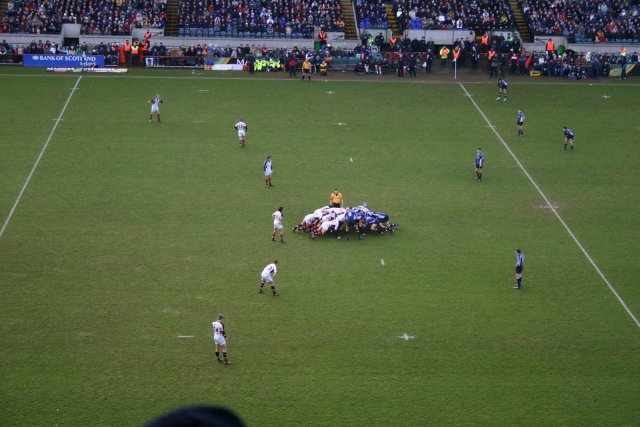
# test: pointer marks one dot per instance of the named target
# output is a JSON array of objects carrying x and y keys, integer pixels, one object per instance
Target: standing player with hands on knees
[
  {"x": 268, "y": 273},
  {"x": 568, "y": 137},
  {"x": 220, "y": 338},
  {"x": 155, "y": 107},
  {"x": 241, "y": 127}
]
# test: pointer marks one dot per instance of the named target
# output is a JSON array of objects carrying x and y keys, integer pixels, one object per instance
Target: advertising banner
[
  {"x": 224, "y": 64},
  {"x": 73, "y": 61}
]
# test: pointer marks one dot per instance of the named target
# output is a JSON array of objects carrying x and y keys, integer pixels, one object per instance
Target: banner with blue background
[{"x": 50, "y": 60}]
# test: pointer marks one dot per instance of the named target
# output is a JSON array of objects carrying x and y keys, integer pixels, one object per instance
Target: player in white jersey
[
  {"x": 268, "y": 273},
  {"x": 220, "y": 338},
  {"x": 241, "y": 127},
  {"x": 155, "y": 107},
  {"x": 277, "y": 224},
  {"x": 268, "y": 170}
]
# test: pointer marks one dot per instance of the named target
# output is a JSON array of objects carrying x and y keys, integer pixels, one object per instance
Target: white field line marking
[
  {"x": 381, "y": 261},
  {"x": 406, "y": 337},
  {"x": 606, "y": 96},
  {"x": 37, "y": 162},
  {"x": 555, "y": 212},
  {"x": 203, "y": 90},
  {"x": 198, "y": 121},
  {"x": 350, "y": 159},
  {"x": 185, "y": 336},
  {"x": 340, "y": 124},
  {"x": 432, "y": 82}
]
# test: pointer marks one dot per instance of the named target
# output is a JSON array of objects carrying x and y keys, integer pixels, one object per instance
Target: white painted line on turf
[
  {"x": 37, "y": 162},
  {"x": 203, "y": 90},
  {"x": 606, "y": 96},
  {"x": 185, "y": 336},
  {"x": 58, "y": 120},
  {"x": 555, "y": 212},
  {"x": 198, "y": 121},
  {"x": 350, "y": 159},
  {"x": 330, "y": 93},
  {"x": 381, "y": 261},
  {"x": 340, "y": 124},
  {"x": 406, "y": 337}
]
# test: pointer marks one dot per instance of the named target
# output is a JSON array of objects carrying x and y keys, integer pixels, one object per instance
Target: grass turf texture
[{"x": 131, "y": 234}]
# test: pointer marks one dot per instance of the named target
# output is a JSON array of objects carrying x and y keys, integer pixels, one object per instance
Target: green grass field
[{"x": 130, "y": 234}]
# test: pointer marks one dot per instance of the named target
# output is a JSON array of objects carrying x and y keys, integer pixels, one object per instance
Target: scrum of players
[{"x": 337, "y": 221}]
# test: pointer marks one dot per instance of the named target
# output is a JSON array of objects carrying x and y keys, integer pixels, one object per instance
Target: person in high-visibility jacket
[
  {"x": 444, "y": 55},
  {"x": 550, "y": 47},
  {"x": 323, "y": 38},
  {"x": 135, "y": 49},
  {"x": 127, "y": 51},
  {"x": 456, "y": 54}
]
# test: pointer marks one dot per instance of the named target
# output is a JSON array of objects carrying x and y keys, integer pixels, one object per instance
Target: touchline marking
[
  {"x": 555, "y": 212},
  {"x": 37, "y": 162}
]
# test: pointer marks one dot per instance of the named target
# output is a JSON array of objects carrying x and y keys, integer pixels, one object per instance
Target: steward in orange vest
[
  {"x": 485, "y": 43},
  {"x": 392, "y": 41},
  {"x": 323, "y": 38},
  {"x": 127, "y": 51},
  {"x": 550, "y": 47},
  {"x": 147, "y": 37},
  {"x": 490, "y": 54}
]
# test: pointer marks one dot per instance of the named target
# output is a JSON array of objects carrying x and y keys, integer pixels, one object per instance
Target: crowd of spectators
[
  {"x": 259, "y": 18},
  {"x": 113, "y": 16},
  {"x": 584, "y": 20},
  {"x": 31, "y": 16},
  {"x": 479, "y": 15},
  {"x": 95, "y": 16}
]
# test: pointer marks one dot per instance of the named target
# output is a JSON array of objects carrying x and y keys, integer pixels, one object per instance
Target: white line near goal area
[
  {"x": 37, "y": 162},
  {"x": 553, "y": 209}
]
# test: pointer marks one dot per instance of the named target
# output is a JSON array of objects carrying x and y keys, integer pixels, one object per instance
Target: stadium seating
[
  {"x": 95, "y": 16},
  {"x": 227, "y": 18},
  {"x": 438, "y": 14},
  {"x": 30, "y": 16},
  {"x": 586, "y": 20}
]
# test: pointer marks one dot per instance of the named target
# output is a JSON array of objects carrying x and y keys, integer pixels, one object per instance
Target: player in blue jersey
[
  {"x": 502, "y": 90},
  {"x": 479, "y": 163},
  {"x": 521, "y": 118},
  {"x": 519, "y": 267},
  {"x": 568, "y": 137}
]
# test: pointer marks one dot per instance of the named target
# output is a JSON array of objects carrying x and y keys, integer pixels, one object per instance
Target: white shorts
[
  {"x": 219, "y": 339},
  {"x": 155, "y": 109},
  {"x": 267, "y": 278},
  {"x": 310, "y": 218},
  {"x": 242, "y": 134},
  {"x": 277, "y": 225}
]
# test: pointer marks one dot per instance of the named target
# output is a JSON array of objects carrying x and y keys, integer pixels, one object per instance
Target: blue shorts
[{"x": 518, "y": 269}]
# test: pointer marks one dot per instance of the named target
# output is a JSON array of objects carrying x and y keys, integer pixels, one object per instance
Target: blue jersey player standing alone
[
  {"x": 568, "y": 138},
  {"x": 479, "y": 163},
  {"x": 521, "y": 118},
  {"x": 519, "y": 267}
]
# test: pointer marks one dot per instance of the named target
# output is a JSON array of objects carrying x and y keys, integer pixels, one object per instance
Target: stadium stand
[
  {"x": 31, "y": 16},
  {"x": 585, "y": 20},
  {"x": 480, "y": 15},
  {"x": 95, "y": 16},
  {"x": 227, "y": 18}
]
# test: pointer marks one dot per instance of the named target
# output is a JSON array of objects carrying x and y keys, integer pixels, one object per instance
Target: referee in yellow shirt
[{"x": 336, "y": 199}]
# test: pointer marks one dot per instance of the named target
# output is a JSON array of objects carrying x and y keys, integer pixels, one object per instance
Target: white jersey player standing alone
[
  {"x": 155, "y": 107},
  {"x": 268, "y": 273},
  {"x": 268, "y": 171},
  {"x": 277, "y": 225},
  {"x": 220, "y": 338},
  {"x": 241, "y": 127}
]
